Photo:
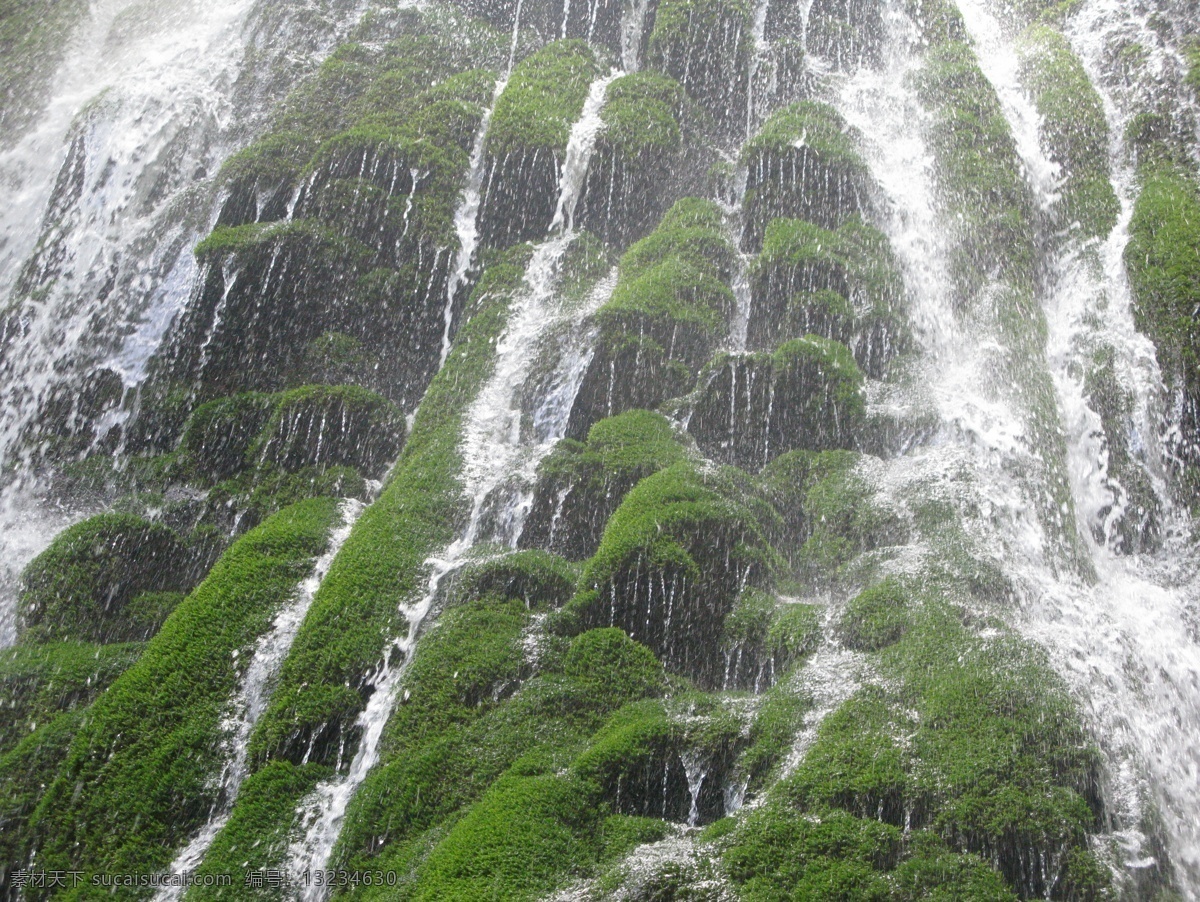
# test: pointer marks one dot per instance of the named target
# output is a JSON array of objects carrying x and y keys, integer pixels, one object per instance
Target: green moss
[
  {"x": 25, "y": 772},
  {"x": 1192, "y": 79},
  {"x": 876, "y": 618},
  {"x": 1074, "y": 128},
  {"x": 843, "y": 285},
  {"x": 581, "y": 483},
  {"x": 641, "y": 116},
  {"x": 609, "y": 663},
  {"x": 524, "y": 838},
  {"x": 803, "y": 163},
  {"x": 620, "y": 834},
  {"x": 218, "y": 435},
  {"x": 79, "y": 587},
  {"x": 538, "y": 579},
  {"x": 979, "y": 171},
  {"x": 674, "y": 557},
  {"x": 807, "y": 394},
  {"x": 356, "y": 610},
  {"x": 257, "y": 835},
  {"x": 705, "y": 45},
  {"x": 764, "y": 638},
  {"x": 1164, "y": 270},
  {"x": 542, "y": 100},
  {"x": 38, "y": 682},
  {"x": 139, "y": 775}
]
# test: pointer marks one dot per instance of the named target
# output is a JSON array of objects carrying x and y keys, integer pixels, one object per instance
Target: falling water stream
[
  {"x": 251, "y": 701},
  {"x": 1121, "y": 638},
  {"x": 494, "y": 448}
]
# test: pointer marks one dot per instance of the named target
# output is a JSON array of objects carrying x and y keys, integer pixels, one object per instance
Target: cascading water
[
  {"x": 106, "y": 194},
  {"x": 494, "y": 449},
  {"x": 251, "y": 701},
  {"x": 1121, "y": 639}
]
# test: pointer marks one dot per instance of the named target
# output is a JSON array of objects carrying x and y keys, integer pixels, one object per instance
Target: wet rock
[
  {"x": 842, "y": 285},
  {"x": 581, "y": 484},
  {"x": 82, "y": 586},
  {"x": 527, "y": 142},
  {"x": 804, "y": 164},
  {"x": 675, "y": 557},
  {"x": 807, "y": 395},
  {"x": 670, "y": 307},
  {"x": 634, "y": 167},
  {"x": 847, "y": 33},
  {"x": 764, "y": 638},
  {"x": 705, "y": 45}
]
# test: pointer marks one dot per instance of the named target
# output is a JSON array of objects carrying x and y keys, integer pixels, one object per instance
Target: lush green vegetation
[
  {"x": 1075, "y": 129},
  {"x": 138, "y": 778},
  {"x": 542, "y": 100}
]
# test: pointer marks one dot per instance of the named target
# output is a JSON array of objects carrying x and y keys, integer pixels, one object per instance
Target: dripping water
[
  {"x": 252, "y": 699},
  {"x": 493, "y": 446}
]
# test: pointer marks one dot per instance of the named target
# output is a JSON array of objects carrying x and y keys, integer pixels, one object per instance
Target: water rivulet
[{"x": 578, "y": 450}]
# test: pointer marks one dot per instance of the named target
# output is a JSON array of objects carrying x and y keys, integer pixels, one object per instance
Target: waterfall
[
  {"x": 466, "y": 221},
  {"x": 493, "y": 449},
  {"x": 251, "y": 701},
  {"x": 579, "y": 153},
  {"x": 106, "y": 194}
]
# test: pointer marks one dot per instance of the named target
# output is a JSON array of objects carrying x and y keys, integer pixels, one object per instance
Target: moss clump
[
  {"x": 523, "y": 839},
  {"x": 138, "y": 779},
  {"x": 330, "y": 426},
  {"x": 705, "y": 45},
  {"x": 256, "y": 836},
  {"x": 1192, "y": 79},
  {"x": 806, "y": 395},
  {"x": 1075, "y": 129},
  {"x": 607, "y": 661},
  {"x": 218, "y": 435},
  {"x": 38, "y": 682},
  {"x": 674, "y": 557},
  {"x": 764, "y": 638},
  {"x": 973, "y": 749},
  {"x": 842, "y": 285},
  {"x": 527, "y": 141},
  {"x": 803, "y": 163},
  {"x": 876, "y": 618},
  {"x": 538, "y": 579},
  {"x": 79, "y": 588},
  {"x": 669, "y": 308},
  {"x": 581, "y": 484},
  {"x": 979, "y": 172},
  {"x": 1164, "y": 271},
  {"x": 324, "y": 681},
  {"x": 637, "y": 155}
]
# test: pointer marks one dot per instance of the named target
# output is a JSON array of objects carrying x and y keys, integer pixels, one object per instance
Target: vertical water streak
[
  {"x": 466, "y": 220},
  {"x": 633, "y": 28},
  {"x": 492, "y": 445},
  {"x": 579, "y": 153},
  {"x": 252, "y": 699}
]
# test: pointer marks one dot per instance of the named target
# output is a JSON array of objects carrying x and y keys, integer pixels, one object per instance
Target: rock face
[
  {"x": 444, "y": 539},
  {"x": 668, "y": 310},
  {"x": 807, "y": 395}
]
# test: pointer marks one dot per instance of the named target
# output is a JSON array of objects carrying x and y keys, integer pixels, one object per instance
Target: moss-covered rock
[
  {"x": 803, "y": 164},
  {"x": 38, "y": 682},
  {"x": 847, "y": 33},
  {"x": 670, "y": 307},
  {"x": 876, "y": 618},
  {"x": 635, "y": 166},
  {"x": 527, "y": 141},
  {"x": 82, "y": 586},
  {"x": 674, "y": 558},
  {"x": 978, "y": 170},
  {"x": 325, "y": 681},
  {"x": 705, "y": 45},
  {"x": 974, "y": 750},
  {"x": 330, "y": 426},
  {"x": 841, "y": 285},
  {"x": 750, "y": 408},
  {"x": 764, "y": 638},
  {"x": 140, "y": 774},
  {"x": 34, "y": 35},
  {"x": 581, "y": 484},
  {"x": 1164, "y": 271},
  {"x": 1074, "y": 128}
]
